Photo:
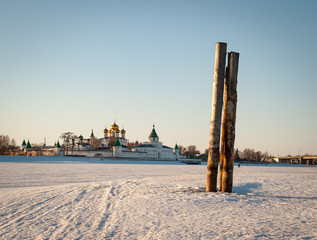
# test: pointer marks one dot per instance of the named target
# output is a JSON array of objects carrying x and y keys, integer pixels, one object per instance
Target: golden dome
[
  {"x": 105, "y": 130},
  {"x": 114, "y": 127},
  {"x": 122, "y": 131},
  {"x": 117, "y": 131}
]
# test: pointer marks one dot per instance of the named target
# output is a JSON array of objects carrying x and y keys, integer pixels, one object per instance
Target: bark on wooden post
[
  {"x": 215, "y": 124},
  {"x": 228, "y": 124}
]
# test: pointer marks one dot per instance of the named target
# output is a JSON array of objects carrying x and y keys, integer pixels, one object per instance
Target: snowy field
[{"x": 85, "y": 198}]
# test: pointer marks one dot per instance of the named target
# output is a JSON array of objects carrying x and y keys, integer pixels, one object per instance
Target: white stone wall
[
  {"x": 157, "y": 151},
  {"x": 93, "y": 153},
  {"x": 167, "y": 153}
]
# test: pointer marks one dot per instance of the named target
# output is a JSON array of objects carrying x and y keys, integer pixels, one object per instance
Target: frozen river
[{"x": 86, "y": 198}]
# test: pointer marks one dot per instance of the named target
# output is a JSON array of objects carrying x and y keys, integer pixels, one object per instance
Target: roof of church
[
  {"x": 176, "y": 147},
  {"x": 23, "y": 143},
  {"x": 117, "y": 142},
  {"x": 92, "y": 133},
  {"x": 28, "y": 145},
  {"x": 153, "y": 134},
  {"x": 58, "y": 145},
  {"x": 166, "y": 147},
  {"x": 114, "y": 126}
]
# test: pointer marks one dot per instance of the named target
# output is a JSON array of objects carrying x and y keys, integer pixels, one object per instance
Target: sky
[{"x": 81, "y": 65}]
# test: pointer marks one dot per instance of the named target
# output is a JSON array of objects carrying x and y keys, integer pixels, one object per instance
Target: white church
[{"x": 114, "y": 145}]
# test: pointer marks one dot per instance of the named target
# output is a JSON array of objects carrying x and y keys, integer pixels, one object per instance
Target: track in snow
[{"x": 268, "y": 203}]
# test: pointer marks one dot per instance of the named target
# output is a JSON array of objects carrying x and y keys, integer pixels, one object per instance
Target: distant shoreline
[{"x": 89, "y": 160}]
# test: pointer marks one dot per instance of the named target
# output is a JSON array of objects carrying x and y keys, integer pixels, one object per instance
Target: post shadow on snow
[
  {"x": 241, "y": 189},
  {"x": 246, "y": 188}
]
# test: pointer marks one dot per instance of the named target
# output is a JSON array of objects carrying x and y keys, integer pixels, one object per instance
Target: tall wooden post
[
  {"x": 228, "y": 124},
  {"x": 215, "y": 124}
]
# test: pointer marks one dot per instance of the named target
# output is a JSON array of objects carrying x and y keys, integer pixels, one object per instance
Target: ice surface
[{"x": 87, "y": 198}]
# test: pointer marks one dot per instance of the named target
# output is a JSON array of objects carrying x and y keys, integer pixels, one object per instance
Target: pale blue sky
[{"x": 78, "y": 65}]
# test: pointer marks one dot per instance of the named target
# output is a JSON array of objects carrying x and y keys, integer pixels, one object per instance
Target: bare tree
[
  {"x": 112, "y": 141},
  {"x": 12, "y": 143},
  {"x": 4, "y": 143},
  {"x": 236, "y": 156},
  {"x": 95, "y": 143},
  {"x": 67, "y": 136},
  {"x": 74, "y": 138},
  {"x": 252, "y": 155},
  {"x": 130, "y": 145},
  {"x": 192, "y": 150},
  {"x": 182, "y": 150}
]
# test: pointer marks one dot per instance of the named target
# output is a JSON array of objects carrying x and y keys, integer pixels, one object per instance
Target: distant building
[
  {"x": 155, "y": 149},
  {"x": 114, "y": 144},
  {"x": 109, "y": 139}
]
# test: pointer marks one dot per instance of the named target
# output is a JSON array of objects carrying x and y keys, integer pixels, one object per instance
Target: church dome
[
  {"x": 114, "y": 127},
  {"x": 117, "y": 131},
  {"x": 122, "y": 131},
  {"x": 105, "y": 130}
]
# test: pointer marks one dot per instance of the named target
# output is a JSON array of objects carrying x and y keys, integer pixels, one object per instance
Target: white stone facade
[{"x": 151, "y": 150}]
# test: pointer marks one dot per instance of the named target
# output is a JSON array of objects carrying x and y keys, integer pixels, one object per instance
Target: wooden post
[
  {"x": 228, "y": 124},
  {"x": 215, "y": 124}
]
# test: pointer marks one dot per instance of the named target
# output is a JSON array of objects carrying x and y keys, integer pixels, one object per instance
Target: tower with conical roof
[
  {"x": 28, "y": 145},
  {"x": 117, "y": 149},
  {"x": 92, "y": 134},
  {"x": 117, "y": 143},
  {"x": 176, "y": 151},
  {"x": 80, "y": 139},
  {"x": 58, "y": 149},
  {"x": 153, "y": 137},
  {"x": 23, "y": 145}
]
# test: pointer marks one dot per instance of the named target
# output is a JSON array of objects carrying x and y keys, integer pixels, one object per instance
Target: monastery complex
[{"x": 113, "y": 144}]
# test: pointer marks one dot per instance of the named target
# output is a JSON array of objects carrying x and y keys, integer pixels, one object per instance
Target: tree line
[
  {"x": 6, "y": 143},
  {"x": 250, "y": 155}
]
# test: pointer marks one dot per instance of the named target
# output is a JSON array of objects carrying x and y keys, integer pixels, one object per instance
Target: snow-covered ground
[{"x": 85, "y": 198}]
